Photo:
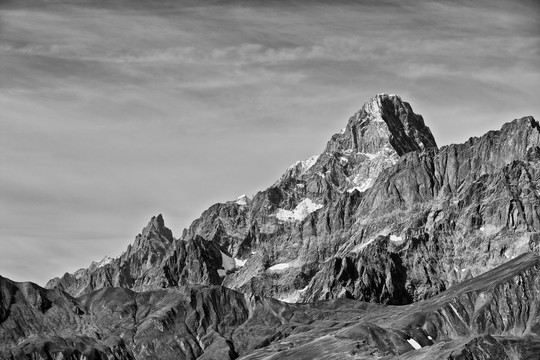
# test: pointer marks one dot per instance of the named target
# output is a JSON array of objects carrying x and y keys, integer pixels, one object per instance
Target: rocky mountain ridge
[
  {"x": 346, "y": 165},
  {"x": 382, "y": 216},
  {"x": 380, "y": 190}
]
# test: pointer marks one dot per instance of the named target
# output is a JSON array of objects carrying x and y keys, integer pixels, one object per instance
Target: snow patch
[
  {"x": 395, "y": 238},
  {"x": 105, "y": 261},
  {"x": 368, "y": 155},
  {"x": 222, "y": 272},
  {"x": 227, "y": 262},
  {"x": 300, "y": 212},
  {"x": 299, "y": 168},
  {"x": 304, "y": 165},
  {"x": 291, "y": 297},
  {"x": 280, "y": 266},
  {"x": 429, "y": 337},
  {"x": 414, "y": 344},
  {"x": 489, "y": 229},
  {"x": 239, "y": 263},
  {"x": 371, "y": 168},
  {"x": 242, "y": 200},
  {"x": 364, "y": 185}
]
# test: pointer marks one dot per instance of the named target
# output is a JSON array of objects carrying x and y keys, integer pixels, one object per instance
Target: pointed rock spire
[{"x": 155, "y": 232}]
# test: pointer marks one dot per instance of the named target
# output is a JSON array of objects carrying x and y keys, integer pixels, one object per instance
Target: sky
[{"x": 114, "y": 111}]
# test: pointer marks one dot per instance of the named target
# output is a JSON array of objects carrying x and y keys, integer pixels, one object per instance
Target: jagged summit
[
  {"x": 374, "y": 138},
  {"x": 384, "y": 122},
  {"x": 156, "y": 223},
  {"x": 134, "y": 268},
  {"x": 155, "y": 230}
]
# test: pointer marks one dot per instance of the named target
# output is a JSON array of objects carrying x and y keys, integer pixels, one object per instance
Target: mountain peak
[
  {"x": 374, "y": 106},
  {"x": 154, "y": 231},
  {"x": 384, "y": 122},
  {"x": 155, "y": 223}
]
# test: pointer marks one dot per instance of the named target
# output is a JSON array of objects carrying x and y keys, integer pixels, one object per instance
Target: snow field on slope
[{"x": 300, "y": 212}]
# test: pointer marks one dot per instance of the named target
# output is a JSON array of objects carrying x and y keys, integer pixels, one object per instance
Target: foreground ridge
[{"x": 472, "y": 319}]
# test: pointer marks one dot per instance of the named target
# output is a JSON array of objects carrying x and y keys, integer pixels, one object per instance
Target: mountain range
[{"x": 383, "y": 246}]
